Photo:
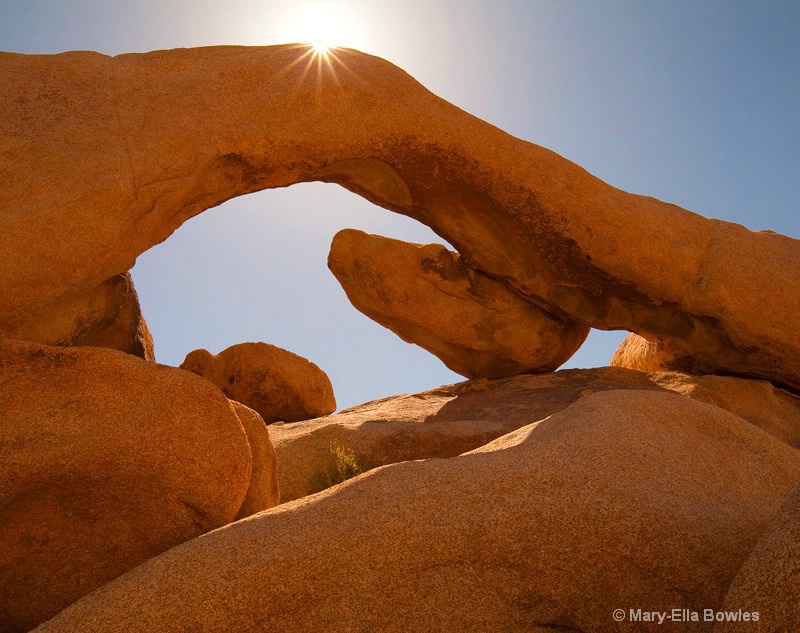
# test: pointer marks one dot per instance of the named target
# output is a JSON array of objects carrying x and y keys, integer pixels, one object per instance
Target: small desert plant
[{"x": 344, "y": 466}]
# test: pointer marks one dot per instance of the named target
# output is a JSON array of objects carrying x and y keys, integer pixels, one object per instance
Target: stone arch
[{"x": 107, "y": 156}]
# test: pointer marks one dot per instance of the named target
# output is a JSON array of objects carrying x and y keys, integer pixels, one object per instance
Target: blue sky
[{"x": 694, "y": 103}]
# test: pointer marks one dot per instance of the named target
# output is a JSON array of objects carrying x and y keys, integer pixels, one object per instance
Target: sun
[
  {"x": 322, "y": 26},
  {"x": 321, "y": 47},
  {"x": 325, "y": 29}
]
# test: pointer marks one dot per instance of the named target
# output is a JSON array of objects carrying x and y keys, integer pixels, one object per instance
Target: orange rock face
[
  {"x": 276, "y": 383},
  {"x": 616, "y": 500},
  {"x": 636, "y": 352},
  {"x": 107, "y": 460},
  {"x": 427, "y": 295},
  {"x": 126, "y": 149},
  {"x": 128, "y": 331}
]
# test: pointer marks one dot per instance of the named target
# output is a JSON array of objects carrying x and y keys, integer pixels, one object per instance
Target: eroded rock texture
[
  {"x": 427, "y": 295},
  {"x": 619, "y": 499},
  {"x": 103, "y": 157},
  {"x": 636, "y": 352},
  {"x": 276, "y": 383},
  {"x": 105, "y": 461}
]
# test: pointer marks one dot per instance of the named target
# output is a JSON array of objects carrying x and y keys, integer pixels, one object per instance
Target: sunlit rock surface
[
  {"x": 622, "y": 498},
  {"x": 427, "y": 295},
  {"x": 453, "y": 419},
  {"x": 276, "y": 383},
  {"x": 636, "y": 352},
  {"x": 106, "y": 156}
]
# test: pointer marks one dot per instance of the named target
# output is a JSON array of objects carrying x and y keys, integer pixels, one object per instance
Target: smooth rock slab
[
  {"x": 427, "y": 295},
  {"x": 274, "y": 382},
  {"x": 453, "y": 419},
  {"x": 624, "y": 498},
  {"x": 105, "y": 461}
]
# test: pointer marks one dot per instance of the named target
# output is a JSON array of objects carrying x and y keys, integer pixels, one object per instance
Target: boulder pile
[
  {"x": 108, "y": 460},
  {"x": 454, "y": 419},
  {"x": 616, "y": 500},
  {"x": 140, "y": 497}
]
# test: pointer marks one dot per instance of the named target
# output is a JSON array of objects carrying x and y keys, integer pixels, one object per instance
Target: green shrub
[
  {"x": 346, "y": 464},
  {"x": 343, "y": 466}
]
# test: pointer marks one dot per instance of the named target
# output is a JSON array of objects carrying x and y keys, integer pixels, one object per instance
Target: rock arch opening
[{"x": 254, "y": 269}]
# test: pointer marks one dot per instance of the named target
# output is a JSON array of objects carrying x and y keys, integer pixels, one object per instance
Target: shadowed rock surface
[
  {"x": 427, "y": 295},
  {"x": 276, "y": 383},
  {"x": 623, "y": 498},
  {"x": 128, "y": 331},
  {"x": 263, "y": 491},
  {"x": 769, "y": 580},
  {"x": 106, "y": 156},
  {"x": 109, "y": 316},
  {"x": 105, "y": 461},
  {"x": 453, "y": 419}
]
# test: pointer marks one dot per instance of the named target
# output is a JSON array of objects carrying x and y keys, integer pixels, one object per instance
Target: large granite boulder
[
  {"x": 624, "y": 498},
  {"x": 637, "y": 352},
  {"x": 105, "y": 461},
  {"x": 103, "y": 157},
  {"x": 427, "y": 295},
  {"x": 774, "y": 410},
  {"x": 126, "y": 330},
  {"x": 274, "y": 382}
]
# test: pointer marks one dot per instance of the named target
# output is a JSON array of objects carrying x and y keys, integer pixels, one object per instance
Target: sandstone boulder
[
  {"x": 427, "y": 295},
  {"x": 276, "y": 383},
  {"x": 624, "y": 498},
  {"x": 106, "y": 156},
  {"x": 263, "y": 492},
  {"x": 769, "y": 581},
  {"x": 105, "y": 461},
  {"x": 636, "y": 352}
]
